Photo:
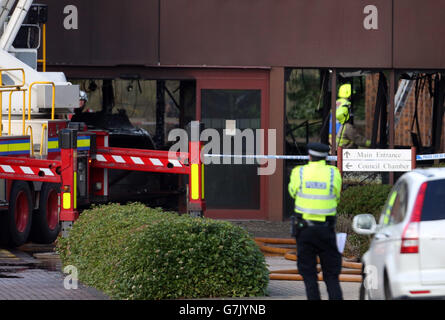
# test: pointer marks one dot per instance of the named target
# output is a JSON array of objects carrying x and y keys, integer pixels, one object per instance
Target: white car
[{"x": 406, "y": 258}]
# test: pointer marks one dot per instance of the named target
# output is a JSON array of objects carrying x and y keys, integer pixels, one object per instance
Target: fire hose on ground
[{"x": 351, "y": 271}]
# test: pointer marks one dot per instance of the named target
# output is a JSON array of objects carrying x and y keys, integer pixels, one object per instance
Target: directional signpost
[{"x": 380, "y": 160}]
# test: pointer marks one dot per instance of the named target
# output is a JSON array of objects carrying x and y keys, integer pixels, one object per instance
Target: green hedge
[
  {"x": 135, "y": 252},
  {"x": 357, "y": 200},
  {"x": 364, "y": 199}
]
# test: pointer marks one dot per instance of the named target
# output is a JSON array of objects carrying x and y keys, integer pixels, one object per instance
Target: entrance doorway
[{"x": 234, "y": 191}]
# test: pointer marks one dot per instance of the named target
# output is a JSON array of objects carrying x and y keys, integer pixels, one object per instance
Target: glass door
[{"x": 234, "y": 190}]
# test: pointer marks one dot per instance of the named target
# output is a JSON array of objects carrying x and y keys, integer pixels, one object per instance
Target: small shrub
[
  {"x": 134, "y": 252},
  {"x": 357, "y": 200},
  {"x": 98, "y": 238},
  {"x": 364, "y": 199}
]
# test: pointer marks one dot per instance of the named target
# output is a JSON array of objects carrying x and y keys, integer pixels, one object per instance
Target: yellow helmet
[
  {"x": 345, "y": 91},
  {"x": 342, "y": 114}
]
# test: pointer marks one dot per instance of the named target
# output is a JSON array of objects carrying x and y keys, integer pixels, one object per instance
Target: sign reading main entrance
[{"x": 377, "y": 160}]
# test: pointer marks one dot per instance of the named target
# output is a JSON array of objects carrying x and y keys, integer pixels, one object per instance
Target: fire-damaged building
[{"x": 149, "y": 66}]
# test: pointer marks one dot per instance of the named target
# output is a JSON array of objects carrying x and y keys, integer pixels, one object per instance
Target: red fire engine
[{"x": 49, "y": 166}]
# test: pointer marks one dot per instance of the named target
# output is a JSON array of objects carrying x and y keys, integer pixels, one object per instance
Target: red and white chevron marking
[
  {"x": 27, "y": 170},
  {"x": 156, "y": 162}
]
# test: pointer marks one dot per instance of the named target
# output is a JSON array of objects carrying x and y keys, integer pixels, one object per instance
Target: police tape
[
  {"x": 291, "y": 157},
  {"x": 420, "y": 157},
  {"x": 424, "y": 157}
]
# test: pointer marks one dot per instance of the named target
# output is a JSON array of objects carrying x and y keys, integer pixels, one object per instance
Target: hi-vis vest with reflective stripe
[
  {"x": 316, "y": 188},
  {"x": 387, "y": 213}
]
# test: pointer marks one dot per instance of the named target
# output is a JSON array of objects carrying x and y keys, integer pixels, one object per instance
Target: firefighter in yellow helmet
[
  {"x": 316, "y": 189},
  {"x": 347, "y": 135},
  {"x": 344, "y": 93}
]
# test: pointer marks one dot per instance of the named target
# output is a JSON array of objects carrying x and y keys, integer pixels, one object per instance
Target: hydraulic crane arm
[
  {"x": 14, "y": 24},
  {"x": 66, "y": 95},
  {"x": 5, "y": 8}
]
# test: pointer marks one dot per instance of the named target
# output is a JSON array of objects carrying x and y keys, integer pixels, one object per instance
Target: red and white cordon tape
[
  {"x": 27, "y": 170},
  {"x": 157, "y": 162}
]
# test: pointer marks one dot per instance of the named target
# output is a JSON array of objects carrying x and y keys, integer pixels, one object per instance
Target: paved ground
[
  {"x": 294, "y": 290},
  {"x": 23, "y": 277}
]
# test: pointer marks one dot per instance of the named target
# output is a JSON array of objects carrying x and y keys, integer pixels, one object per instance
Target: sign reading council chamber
[{"x": 377, "y": 160}]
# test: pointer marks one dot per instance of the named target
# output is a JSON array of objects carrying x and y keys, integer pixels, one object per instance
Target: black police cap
[{"x": 318, "y": 149}]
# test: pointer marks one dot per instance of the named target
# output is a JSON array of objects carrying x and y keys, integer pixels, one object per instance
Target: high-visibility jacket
[
  {"x": 341, "y": 102},
  {"x": 316, "y": 189},
  {"x": 387, "y": 213},
  {"x": 348, "y": 137}
]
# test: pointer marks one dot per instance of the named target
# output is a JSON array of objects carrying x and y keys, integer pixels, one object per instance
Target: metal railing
[
  {"x": 53, "y": 100},
  {"x": 2, "y": 86},
  {"x": 31, "y": 140},
  {"x": 10, "y": 107},
  {"x": 19, "y": 88},
  {"x": 43, "y": 60},
  {"x": 11, "y": 89},
  {"x": 42, "y": 138}
]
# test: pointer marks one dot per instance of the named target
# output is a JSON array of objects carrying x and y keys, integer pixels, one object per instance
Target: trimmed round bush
[{"x": 135, "y": 252}]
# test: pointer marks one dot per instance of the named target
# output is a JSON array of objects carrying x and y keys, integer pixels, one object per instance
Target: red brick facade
[{"x": 403, "y": 128}]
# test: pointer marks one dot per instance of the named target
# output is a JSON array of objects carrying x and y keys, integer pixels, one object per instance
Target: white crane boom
[
  {"x": 67, "y": 95},
  {"x": 14, "y": 24},
  {"x": 5, "y": 8}
]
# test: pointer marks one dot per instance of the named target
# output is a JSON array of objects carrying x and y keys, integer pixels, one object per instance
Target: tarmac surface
[
  {"x": 23, "y": 277},
  {"x": 28, "y": 274}
]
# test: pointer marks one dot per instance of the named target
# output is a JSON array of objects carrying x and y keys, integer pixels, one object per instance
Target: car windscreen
[{"x": 434, "y": 203}]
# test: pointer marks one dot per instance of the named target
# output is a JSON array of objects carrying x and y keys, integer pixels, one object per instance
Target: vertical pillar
[
  {"x": 160, "y": 112},
  {"x": 107, "y": 96},
  {"x": 68, "y": 194},
  {"x": 276, "y": 113},
  {"x": 392, "y": 91},
  {"x": 333, "y": 111},
  {"x": 196, "y": 203},
  {"x": 340, "y": 160},
  {"x": 413, "y": 158}
]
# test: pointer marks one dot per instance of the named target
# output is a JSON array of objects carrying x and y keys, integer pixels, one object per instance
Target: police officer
[{"x": 316, "y": 188}]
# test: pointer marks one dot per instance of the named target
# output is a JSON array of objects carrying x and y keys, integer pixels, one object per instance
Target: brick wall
[{"x": 403, "y": 128}]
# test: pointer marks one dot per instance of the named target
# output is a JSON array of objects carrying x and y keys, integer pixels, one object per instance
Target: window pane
[{"x": 434, "y": 203}]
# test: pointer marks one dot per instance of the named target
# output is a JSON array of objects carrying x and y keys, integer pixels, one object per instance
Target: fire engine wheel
[
  {"x": 19, "y": 216},
  {"x": 46, "y": 226}
]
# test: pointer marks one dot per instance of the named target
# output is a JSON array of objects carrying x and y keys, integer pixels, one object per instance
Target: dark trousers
[{"x": 319, "y": 241}]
